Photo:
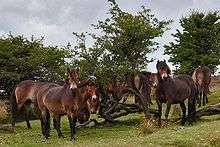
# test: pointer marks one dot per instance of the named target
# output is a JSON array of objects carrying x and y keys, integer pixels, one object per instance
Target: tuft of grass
[
  {"x": 4, "y": 116},
  {"x": 147, "y": 126}
]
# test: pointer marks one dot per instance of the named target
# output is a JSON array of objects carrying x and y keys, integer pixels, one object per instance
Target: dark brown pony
[
  {"x": 202, "y": 77},
  {"x": 90, "y": 108},
  {"x": 143, "y": 82},
  {"x": 63, "y": 100},
  {"x": 175, "y": 91},
  {"x": 24, "y": 96}
]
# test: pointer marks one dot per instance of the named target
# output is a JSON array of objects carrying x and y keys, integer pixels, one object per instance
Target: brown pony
[
  {"x": 143, "y": 82},
  {"x": 63, "y": 100},
  {"x": 90, "y": 108},
  {"x": 175, "y": 91},
  {"x": 24, "y": 95},
  {"x": 202, "y": 77}
]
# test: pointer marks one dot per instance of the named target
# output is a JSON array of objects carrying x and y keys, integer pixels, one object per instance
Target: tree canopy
[
  {"x": 23, "y": 59},
  {"x": 198, "y": 43},
  {"x": 121, "y": 45}
]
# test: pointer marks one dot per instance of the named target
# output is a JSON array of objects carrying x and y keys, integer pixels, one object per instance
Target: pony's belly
[
  {"x": 54, "y": 105},
  {"x": 56, "y": 110}
]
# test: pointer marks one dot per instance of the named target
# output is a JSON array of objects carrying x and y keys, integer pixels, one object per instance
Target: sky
[{"x": 57, "y": 19}]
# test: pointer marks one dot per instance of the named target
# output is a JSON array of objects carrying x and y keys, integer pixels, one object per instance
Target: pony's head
[
  {"x": 72, "y": 77},
  {"x": 91, "y": 92},
  {"x": 163, "y": 69},
  {"x": 94, "y": 104},
  {"x": 153, "y": 79}
]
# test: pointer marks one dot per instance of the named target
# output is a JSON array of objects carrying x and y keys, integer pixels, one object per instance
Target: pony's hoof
[
  {"x": 183, "y": 124},
  {"x": 73, "y": 140}
]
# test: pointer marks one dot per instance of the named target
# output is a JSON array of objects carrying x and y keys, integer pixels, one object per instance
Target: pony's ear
[
  {"x": 158, "y": 61},
  {"x": 164, "y": 61},
  {"x": 66, "y": 81}
]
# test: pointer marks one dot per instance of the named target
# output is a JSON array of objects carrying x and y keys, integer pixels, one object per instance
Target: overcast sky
[{"x": 57, "y": 19}]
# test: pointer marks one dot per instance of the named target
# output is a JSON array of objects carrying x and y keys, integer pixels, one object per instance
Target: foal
[
  {"x": 64, "y": 100},
  {"x": 175, "y": 91}
]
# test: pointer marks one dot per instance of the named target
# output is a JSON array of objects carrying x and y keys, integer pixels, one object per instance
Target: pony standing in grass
[
  {"x": 202, "y": 77},
  {"x": 63, "y": 100},
  {"x": 23, "y": 99},
  {"x": 175, "y": 91}
]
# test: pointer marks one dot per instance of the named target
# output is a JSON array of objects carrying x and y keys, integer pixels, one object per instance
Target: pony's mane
[{"x": 85, "y": 82}]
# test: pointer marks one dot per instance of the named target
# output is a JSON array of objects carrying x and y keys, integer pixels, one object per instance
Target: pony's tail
[
  {"x": 13, "y": 107},
  {"x": 192, "y": 104}
]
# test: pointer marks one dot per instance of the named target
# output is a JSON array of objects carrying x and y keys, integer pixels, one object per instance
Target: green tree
[
  {"x": 198, "y": 43},
  {"x": 22, "y": 59},
  {"x": 120, "y": 47},
  {"x": 123, "y": 46}
]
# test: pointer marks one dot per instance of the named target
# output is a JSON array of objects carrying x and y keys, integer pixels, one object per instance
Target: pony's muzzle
[
  {"x": 164, "y": 75},
  {"x": 94, "y": 97},
  {"x": 73, "y": 86}
]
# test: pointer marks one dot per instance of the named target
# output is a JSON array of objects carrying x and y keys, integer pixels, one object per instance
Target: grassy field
[{"x": 126, "y": 132}]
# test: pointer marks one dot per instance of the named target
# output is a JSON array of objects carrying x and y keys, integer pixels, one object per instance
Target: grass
[
  {"x": 4, "y": 117},
  {"x": 126, "y": 132}
]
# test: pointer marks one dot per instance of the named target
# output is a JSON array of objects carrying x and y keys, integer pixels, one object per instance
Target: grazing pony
[
  {"x": 23, "y": 99},
  {"x": 202, "y": 77},
  {"x": 91, "y": 107},
  {"x": 63, "y": 100},
  {"x": 175, "y": 91}
]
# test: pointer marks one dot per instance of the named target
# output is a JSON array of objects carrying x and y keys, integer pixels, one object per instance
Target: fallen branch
[
  {"x": 88, "y": 122},
  {"x": 207, "y": 111}
]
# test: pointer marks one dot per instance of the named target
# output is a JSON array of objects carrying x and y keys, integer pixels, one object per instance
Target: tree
[
  {"x": 22, "y": 59},
  {"x": 198, "y": 43},
  {"x": 120, "y": 47}
]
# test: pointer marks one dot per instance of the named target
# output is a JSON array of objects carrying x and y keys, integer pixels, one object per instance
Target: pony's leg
[
  {"x": 57, "y": 125},
  {"x": 203, "y": 98},
  {"x": 47, "y": 124},
  {"x": 192, "y": 108},
  {"x": 45, "y": 118},
  {"x": 72, "y": 123},
  {"x": 183, "y": 107},
  {"x": 54, "y": 122},
  {"x": 167, "y": 110},
  {"x": 42, "y": 125},
  {"x": 27, "y": 114},
  {"x": 206, "y": 98},
  {"x": 159, "y": 104},
  {"x": 200, "y": 99}
]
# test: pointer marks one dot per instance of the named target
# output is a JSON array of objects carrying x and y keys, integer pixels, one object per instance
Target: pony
[
  {"x": 175, "y": 91},
  {"x": 143, "y": 82},
  {"x": 91, "y": 107},
  {"x": 63, "y": 100},
  {"x": 202, "y": 77},
  {"x": 23, "y": 99}
]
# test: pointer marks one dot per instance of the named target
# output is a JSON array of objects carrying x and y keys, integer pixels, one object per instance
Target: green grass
[{"x": 126, "y": 132}]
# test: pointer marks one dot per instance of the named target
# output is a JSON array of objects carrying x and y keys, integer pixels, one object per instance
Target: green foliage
[
  {"x": 22, "y": 59},
  {"x": 198, "y": 43},
  {"x": 121, "y": 45}
]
